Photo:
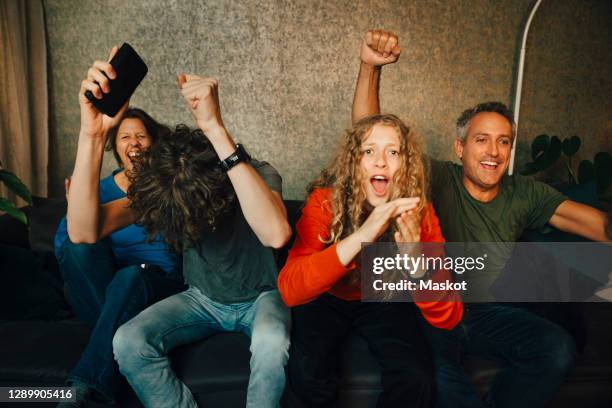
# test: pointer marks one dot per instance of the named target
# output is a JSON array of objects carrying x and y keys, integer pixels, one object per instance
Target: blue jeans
[
  {"x": 537, "y": 352},
  {"x": 105, "y": 297},
  {"x": 141, "y": 345}
]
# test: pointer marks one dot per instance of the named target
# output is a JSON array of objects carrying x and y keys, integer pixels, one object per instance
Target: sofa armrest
[
  {"x": 43, "y": 218},
  {"x": 13, "y": 232}
]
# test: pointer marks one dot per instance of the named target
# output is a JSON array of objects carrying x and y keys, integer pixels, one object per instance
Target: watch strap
[{"x": 239, "y": 156}]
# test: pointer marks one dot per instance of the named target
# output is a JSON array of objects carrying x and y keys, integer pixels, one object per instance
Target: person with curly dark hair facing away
[
  {"x": 112, "y": 277},
  {"x": 206, "y": 198}
]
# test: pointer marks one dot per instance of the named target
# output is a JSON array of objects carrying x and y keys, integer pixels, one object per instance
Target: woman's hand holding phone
[{"x": 93, "y": 122}]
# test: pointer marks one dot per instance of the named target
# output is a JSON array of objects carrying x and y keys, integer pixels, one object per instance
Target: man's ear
[{"x": 459, "y": 148}]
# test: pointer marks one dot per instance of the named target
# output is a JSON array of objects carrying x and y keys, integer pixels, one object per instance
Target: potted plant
[
  {"x": 546, "y": 152},
  {"x": 15, "y": 185}
]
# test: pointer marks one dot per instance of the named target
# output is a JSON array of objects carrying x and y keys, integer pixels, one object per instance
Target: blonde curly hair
[{"x": 348, "y": 200}]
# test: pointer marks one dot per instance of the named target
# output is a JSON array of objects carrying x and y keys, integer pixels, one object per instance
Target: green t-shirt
[
  {"x": 231, "y": 265},
  {"x": 521, "y": 203}
]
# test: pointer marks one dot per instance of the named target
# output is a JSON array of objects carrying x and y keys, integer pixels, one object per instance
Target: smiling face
[
  {"x": 132, "y": 138},
  {"x": 485, "y": 154},
  {"x": 380, "y": 160}
]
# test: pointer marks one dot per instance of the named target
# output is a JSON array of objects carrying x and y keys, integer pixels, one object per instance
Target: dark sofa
[{"x": 40, "y": 341}]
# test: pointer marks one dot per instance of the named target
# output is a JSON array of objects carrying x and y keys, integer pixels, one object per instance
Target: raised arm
[
  {"x": 83, "y": 215},
  {"x": 582, "y": 220},
  {"x": 262, "y": 208},
  {"x": 378, "y": 48}
]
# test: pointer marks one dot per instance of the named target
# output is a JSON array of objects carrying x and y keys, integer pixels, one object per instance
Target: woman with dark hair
[
  {"x": 374, "y": 190},
  {"x": 112, "y": 277},
  {"x": 147, "y": 128}
]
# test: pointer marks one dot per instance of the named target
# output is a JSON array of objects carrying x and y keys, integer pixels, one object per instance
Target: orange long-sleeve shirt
[{"x": 312, "y": 268}]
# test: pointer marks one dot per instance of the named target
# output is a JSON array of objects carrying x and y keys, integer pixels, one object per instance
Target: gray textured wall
[
  {"x": 287, "y": 68},
  {"x": 568, "y": 76}
]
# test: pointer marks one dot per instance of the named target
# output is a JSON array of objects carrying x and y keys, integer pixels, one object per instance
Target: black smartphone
[{"x": 130, "y": 70}]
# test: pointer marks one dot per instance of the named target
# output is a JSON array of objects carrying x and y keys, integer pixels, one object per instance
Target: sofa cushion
[
  {"x": 36, "y": 352},
  {"x": 31, "y": 285},
  {"x": 40, "y": 352},
  {"x": 294, "y": 210},
  {"x": 220, "y": 362}
]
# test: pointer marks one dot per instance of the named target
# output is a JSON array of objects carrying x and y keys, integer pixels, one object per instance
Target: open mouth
[
  {"x": 489, "y": 165},
  {"x": 380, "y": 184},
  {"x": 133, "y": 154}
]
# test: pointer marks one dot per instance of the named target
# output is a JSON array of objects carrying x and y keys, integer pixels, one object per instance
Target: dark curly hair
[
  {"x": 154, "y": 129},
  {"x": 178, "y": 191}
]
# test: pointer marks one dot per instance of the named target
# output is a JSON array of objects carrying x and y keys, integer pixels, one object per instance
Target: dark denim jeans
[
  {"x": 537, "y": 352},
  {"x": 106, "y": 298},
  {"x": 394, "y": 337}
]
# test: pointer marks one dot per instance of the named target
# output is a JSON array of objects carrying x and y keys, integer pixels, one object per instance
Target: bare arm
[
  {"x": 114, "y": 215},
  {"x": 83, "y": 215},
  {"x": 580, "y": 219},
  {"x": 263, "y": 208},
  {"x": 377, "y": 49},
  {"x": 83, "y": 200},
  {"x": 365, "y": 101}
]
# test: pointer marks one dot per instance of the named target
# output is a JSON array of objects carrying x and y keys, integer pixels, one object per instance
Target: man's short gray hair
[{"x": 463, "y": 122}]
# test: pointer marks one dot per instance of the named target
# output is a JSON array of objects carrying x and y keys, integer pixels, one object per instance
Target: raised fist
[
  {"x": 380, "y": 48},
  {"x": 202, "y": 97}
]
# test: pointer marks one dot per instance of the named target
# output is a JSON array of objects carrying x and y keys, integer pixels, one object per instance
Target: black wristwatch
[{"x": 239, "y": 156}]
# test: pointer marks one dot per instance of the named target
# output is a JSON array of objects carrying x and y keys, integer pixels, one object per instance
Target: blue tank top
[{"x": 128, "y": 244}]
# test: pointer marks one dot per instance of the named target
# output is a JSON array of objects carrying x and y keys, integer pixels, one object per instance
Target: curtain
[{"x": 24, "y": 116}]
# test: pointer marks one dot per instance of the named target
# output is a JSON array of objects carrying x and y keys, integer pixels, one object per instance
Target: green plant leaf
[
  {"x": 603, "y": 160},
  {"x": 586, "y": 172},
  {"x": 571, "y": 145},
  {"x": 570, "y": 174},
  {"x": 10, "y": 209},
  {"x": 539, "y": 145},
  {"x": 606, "y": 195},
  {"x": 15, "y": 185},
  {"x": 529, "y": 169},
  {"x": 550, "y": 155}
]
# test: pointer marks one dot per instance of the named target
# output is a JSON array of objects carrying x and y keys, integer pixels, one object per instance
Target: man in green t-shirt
[
  {"x": 478, "y": 202},
  {"x": 201, "y": 192}
]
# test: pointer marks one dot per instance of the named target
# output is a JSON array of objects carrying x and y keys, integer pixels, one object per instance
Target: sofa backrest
[
  {"x": 43, "y": 218},
  {"x": 294, "y": 210}
]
